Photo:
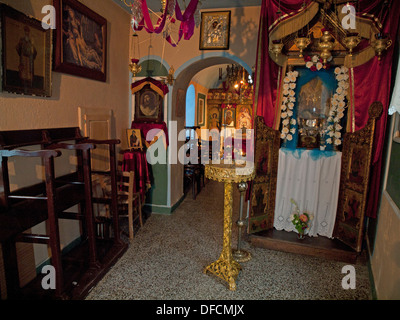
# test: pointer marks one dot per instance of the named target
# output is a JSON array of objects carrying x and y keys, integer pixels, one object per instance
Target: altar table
[
  {"x": 311, "y": 178},
  {"x": 226, "y": 267},
  {"x": 135, "y": 160}
]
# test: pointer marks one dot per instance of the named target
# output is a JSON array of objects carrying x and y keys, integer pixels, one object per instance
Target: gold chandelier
[
  {"x": 325, "y": 14},
  {"x": 237, "y": 79}
]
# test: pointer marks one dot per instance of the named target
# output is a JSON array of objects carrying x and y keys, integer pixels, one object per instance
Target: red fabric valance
[
  {"x": 157, "y": 86},
  {"x": 187, "y": 25}
]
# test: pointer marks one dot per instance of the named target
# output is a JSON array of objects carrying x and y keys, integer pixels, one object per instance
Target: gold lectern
[{"x": 226, "y": 267}]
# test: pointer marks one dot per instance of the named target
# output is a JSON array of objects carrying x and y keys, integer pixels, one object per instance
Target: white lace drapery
[
  {"x": 312, "y": 181},
  {"x": 394, "y": 105}
]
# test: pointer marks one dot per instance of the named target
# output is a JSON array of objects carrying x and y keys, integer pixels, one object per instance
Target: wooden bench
[{"x": 26, "y": 207}]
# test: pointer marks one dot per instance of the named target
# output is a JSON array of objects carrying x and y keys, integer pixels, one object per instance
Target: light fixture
[
  {"x": 302, "y": 43},
  {"x": 276, "y": 47},
  {"x": 381, "y": 44},
  {"x": 237, "y": 80},
  {"x": 169, "y": 79},
  {"x": 329, "y": 37},
  {"x": 351, "y": 41},
  {"x": 326, "y": 45},
  {"x": 134, "y": 68}
]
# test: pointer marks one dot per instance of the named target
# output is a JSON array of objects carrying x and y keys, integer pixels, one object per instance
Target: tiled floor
[{"x": 166, "y": 260}]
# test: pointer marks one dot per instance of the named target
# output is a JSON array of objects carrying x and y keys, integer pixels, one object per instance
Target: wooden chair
[
  {"x": 127, "y": 197},
  {"x": 128, "y": 201}
]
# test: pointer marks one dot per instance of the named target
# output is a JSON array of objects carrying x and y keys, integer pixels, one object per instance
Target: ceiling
[{"x": 207, "y": 77}]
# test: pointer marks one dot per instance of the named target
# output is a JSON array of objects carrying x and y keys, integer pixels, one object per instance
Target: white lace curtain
[
  {"x": 395, "y": 101},
  {"x": 313, "y": 183}
]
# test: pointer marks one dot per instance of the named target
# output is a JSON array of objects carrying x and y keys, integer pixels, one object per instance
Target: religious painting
[
  {"x": 314, "y": 102},
  {"x": 263, "y": 163},
  {"x": 214, "y": 30},
  {"x": 134, "y": 139},
  {"x": 243, "y": 118},
  {"x": 229, "y": 117},
  {"x": 259, "y": 205},
  {"x": 26, "y": 54},
  {"x": 81, "y": 41},
  {"x": 263, "y": 193},
  {"x": 357, "y": 165},
  {"x": 148, "y": 105},
  {"x": 353, "y": 202},
  {"x": 214, "y": 118},
  {"x": 201, "y": 109}
]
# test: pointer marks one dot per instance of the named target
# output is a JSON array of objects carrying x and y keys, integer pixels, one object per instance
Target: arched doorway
[{"x": 184, "y": 75}]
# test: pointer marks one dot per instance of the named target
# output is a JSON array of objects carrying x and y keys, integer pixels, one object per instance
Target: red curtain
[
  {"x": 372, "y": 83},
  {"x": 266, "y": 69},
  {"x": 371, "y": 80}
]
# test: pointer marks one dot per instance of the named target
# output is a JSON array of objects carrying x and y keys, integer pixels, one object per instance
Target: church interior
[{"x": 200, "y": 150}]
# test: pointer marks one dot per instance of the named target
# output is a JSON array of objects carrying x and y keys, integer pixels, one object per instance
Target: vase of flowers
[{"x": 300, "y": 220}]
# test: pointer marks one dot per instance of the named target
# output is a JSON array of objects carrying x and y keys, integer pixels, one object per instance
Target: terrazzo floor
[{"x": 165, "y": 261}]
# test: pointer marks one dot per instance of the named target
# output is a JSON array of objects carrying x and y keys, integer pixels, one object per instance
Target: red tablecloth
[{"x": 136, "y": 161}]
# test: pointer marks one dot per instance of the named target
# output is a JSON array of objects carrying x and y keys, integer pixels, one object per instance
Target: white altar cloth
[{"x": 311, "y": 179}]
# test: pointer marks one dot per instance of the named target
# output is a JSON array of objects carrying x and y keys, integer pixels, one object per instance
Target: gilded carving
[
  {"x": 226, "y": 267},
  {"x": 354, "y": 181},
  {"x": 267, "y": 143}
]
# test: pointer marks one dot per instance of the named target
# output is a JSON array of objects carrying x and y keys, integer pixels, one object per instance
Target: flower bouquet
[{"x": 300, "y": 221}]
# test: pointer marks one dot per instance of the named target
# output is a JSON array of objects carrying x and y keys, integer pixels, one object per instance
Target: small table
[{"x": 226, "y": 267}]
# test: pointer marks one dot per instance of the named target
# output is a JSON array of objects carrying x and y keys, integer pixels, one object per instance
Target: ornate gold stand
[
  {"x": 226, "y": 267},
  {"x": 239, "y": 254}
]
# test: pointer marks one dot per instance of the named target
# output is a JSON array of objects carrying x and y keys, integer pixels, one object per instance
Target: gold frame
[
  {"x": 201, "y": 113},
  {"x": 14, "y": 79},
  {"x": 224, "y": 18},
  {"x": 78, "y": 67},
  {"x": 265, "y": 138},
  {"x": 129, "y": 134},
  {"x": 351, "y": 231}
]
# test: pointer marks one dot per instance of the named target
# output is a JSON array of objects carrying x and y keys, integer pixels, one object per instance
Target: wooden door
[
  {"x": 263, "y": 189},
  {"x": 354, "y": 181},
  {"x": 96, "y": 123}
]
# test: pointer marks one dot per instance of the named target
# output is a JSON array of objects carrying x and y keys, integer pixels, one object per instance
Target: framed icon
[
  {"x": 229, "y": 117},
  {"x": 81, "y": 41},
  {"x": 26, "y": 54},
  {"x": 214, "y": 30},
  {"x": 201, "y": 109},
  {"x": 134, "y": 139},
  {"x": 148, "y": 105}
]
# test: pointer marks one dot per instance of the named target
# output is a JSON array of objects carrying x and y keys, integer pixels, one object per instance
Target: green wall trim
[{"x": 164, "y": 209}]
